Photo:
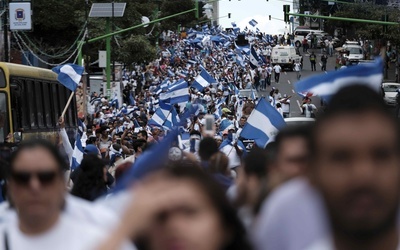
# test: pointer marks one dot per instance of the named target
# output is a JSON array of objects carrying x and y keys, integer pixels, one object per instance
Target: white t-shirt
[
  {"x": 286, "y": 106},
  {"x": 230, "y": 151},
  {"x": 277, "y": 69},
  {"x": 68, "y": 233},
  {"x": 291, "y": 218},
  {"x": 297, "y": 66},
  {"x": 309, "y": 109}
]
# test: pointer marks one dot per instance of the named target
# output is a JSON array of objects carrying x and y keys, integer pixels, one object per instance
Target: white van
[
  {"x": 355, "y": 52},
  {"x": 285, "y": 56},
  {"x": 301, "y": 33}
]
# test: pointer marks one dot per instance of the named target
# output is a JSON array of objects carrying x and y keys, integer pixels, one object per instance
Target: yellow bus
[{"x": 31, "y": 101}]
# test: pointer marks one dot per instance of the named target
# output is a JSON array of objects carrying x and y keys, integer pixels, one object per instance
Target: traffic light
[
  {"x": 270, "y": 17},
  {"x": 286, "y": 10},
  {"x": 229, "y": 15}
]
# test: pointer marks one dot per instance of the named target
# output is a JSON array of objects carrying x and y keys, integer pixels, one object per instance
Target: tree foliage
[
  {"x": 57, "y": 24},
  {"x": 368, "y": 11},
  {"x": 136, "y": 48},
  {"x": 172, "y": 7}
]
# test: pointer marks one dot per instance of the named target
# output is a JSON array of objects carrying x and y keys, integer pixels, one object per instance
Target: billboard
[{"x": 20, "y": 16}]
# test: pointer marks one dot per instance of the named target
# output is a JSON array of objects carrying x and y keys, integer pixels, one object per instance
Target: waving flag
[
  {"x": 253, "y": 22},
  {"x": 69, "y": 75},
  {"x": 164, "y": 116},
  {"x": 176, "y": 93},
  {"x": 152, "y": 159},
  {"x": 254, "y": 58},
  {"x": 245, "y": 48},
  {"x": 77, "y": 154},
  {"x": 240, "y": 59},
  {"x": 326, "y": 85},
  {"x": 203, "y": 80},
  {"x": 263, "y": 124}
]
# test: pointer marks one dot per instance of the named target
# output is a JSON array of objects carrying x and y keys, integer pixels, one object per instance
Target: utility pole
[{"x": 5, "y": 31}]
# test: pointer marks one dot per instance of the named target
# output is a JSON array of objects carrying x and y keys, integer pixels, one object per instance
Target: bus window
[
  {"x": 54, "y": 102},
  {"x": 4, "y": 130},
  {"x": 16, "y": 102},
  {"x": 30, "y": 96},
  {"x": 47, "y": 105},
  {"x": 61, "y": 98},
  {"x": 39, "y": 104},
  {"x": 2, "y": 79}
]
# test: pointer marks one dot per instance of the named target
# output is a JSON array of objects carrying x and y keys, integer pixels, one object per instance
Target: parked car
[{"x": 390, "y": 90}]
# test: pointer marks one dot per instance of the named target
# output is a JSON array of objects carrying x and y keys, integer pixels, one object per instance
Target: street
[{"x": 288, "y": 79}]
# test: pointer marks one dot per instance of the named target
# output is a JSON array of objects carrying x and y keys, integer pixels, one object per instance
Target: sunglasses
[{"x": 24, "y": 178}]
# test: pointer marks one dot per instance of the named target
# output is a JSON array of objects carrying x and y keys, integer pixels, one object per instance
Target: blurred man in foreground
[{"x": 356, "y": 167}]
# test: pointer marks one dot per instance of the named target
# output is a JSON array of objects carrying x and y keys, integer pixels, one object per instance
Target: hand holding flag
[{"x": 69, "y": 75}]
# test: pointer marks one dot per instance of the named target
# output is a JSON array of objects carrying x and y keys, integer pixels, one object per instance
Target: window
[
  {"x": 2, "y": 79},
  {"x": 54, "y": 102},
  {"x": 47, "y": 105},
  {"x": 4, "y": 128},
  {"x": 39, "y": 104},
  {"x": 30, "y": 97}
]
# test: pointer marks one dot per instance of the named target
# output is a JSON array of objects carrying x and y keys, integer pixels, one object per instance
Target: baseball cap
[{"x": 91, "y": 149}]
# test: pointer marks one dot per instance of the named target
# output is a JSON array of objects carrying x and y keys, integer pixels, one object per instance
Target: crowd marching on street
[{"x": 196, "y": 157}]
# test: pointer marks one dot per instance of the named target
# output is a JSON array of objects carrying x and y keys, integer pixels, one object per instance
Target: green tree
[
  {"x": 175, "y": 6},
  {"x": 368, "y": 11},
  {"x": 136, "y": 49}
]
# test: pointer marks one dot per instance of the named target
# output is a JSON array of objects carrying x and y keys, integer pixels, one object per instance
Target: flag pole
[
  {"x": 68, "y": 103},
  {"x": 166, "y": 118}
]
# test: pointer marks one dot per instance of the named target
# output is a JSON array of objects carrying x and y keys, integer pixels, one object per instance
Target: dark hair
[
  {"x": 219, "y": 163},
  {"x": 38, "y": 143},
  {"x": 90, "y": 183},
  {"x": 354, "y": 99},
  {"x": 139, "y": 143},
  {"x": 218, "y": 199},
  {"x": 144, "y": 133},
  {"x": 207, "y": 147},
  {"x": 291, "y": 132},
  {"x": 255, "y": 163}
]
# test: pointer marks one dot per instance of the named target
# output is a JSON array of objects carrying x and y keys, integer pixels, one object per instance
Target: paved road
[{"x": 288, "y": 80}]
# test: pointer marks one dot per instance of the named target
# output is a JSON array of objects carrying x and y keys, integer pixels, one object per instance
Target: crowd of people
[{"x": 191, "y": 181}]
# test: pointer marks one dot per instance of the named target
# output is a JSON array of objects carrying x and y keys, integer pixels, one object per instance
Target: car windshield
[
  {"x": 390, "y": 88},
  {"x": 284, "y": 53},
  {"x": 355, "y": 50}
]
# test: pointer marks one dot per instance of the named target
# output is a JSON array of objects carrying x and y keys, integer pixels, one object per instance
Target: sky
[{"x": 242, "y": 11}]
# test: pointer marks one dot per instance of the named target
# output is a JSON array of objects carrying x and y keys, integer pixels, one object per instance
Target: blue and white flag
[
  {"x": 69, "y": 75},
  {"x": 177, "y": 93},
  {"x": 263, "y": 124},
  {"x": 245, "y": 48},
  {"x": 240, "y": 60},
  {"x": 326, "y": 85},
  {"x": 77, "y": 154},
  {"x": 254, "y": 58},
  {"x": 253, "y": 22},
  {"x": 203, "y": 80},
  {"x": 257, "y": 30},
  {"x": 160, "y": 115}
]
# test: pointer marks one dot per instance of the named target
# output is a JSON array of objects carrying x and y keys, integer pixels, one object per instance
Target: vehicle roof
[
  {"x": 391, "y": 83},
  {"x": 351, "y": 46},
  {"x": 299, "y": 119}
]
